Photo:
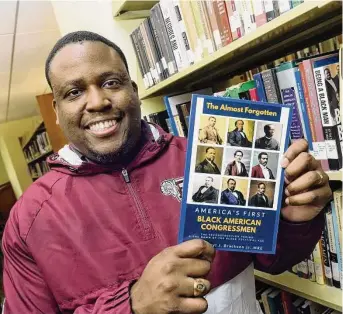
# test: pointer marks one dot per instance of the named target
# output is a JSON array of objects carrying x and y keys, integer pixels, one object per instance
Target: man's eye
[
  {"x": 73, "y": 93},
  {"x": 111, "y": 83}
]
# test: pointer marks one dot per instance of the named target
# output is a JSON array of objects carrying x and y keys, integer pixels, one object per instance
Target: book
[
  {"x": 338, "y": 241},
  {"x": 234, "y": 208}
]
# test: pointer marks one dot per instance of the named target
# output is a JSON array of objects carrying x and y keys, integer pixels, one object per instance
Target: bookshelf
[
  {"x": 128, "y": 10},
  {"x": 301, "y": 26},
  {"x": 322, "y": 294}
]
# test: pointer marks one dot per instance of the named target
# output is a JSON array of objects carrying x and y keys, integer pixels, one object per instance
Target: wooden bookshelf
[
  {"x": 322, "y": 294},
  {"x": 50, "y": 151},
  {"x": 128, "y": 10},
  {"x": 293, "y": 30}
]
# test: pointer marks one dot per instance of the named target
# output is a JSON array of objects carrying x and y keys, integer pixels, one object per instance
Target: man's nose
[{"x": 97, "y": 100}]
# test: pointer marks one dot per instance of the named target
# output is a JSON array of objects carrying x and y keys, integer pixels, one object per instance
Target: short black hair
[
  {"x": 77, "y": 37},
  {"x": 261, "y": 154},
  {"x": 210, "y": 178},
  {"x": 267, "y": 127},
  {"x": 231, "y": 180},
  {"x": 238, "y": 121},
  {"x": 238, "y": 151},
  {"x": 212, "y": 117},
  {"x": 208, "y": 148},
  {"x": 261, "y": 183}
]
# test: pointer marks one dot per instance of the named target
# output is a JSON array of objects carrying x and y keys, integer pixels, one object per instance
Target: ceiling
[{"x": 28, "y": 31}]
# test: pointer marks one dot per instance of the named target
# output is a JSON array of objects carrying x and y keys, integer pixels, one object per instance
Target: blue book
[
  {"x": 260, "y": 88},
  {"x": 228, "y": 200}
]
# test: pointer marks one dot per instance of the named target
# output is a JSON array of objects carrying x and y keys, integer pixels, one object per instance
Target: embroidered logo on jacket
[{"x": 172, "y": 187}]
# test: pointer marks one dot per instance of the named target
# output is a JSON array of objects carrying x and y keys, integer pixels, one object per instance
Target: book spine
[
  {"x": 260, "y": 88},
  {"x": 318, "y": 143},
  {"x": 318, "y": 264},
  {"x": 146, "y": 80},
  {"x": 271, "y": 86},
  {"x": 284, "y": 6},
  {"x": 226, "y": 35},
  {"x": 144, "y": 56},
  {"x": 259, "y": 12},
  {"x": 185, "y": 37},
  {"x": 337, "y": 196},
  {"x": 157, "y": 41},
  {"x": 209, "y": 40},
  {"x": 214, "y": 24},
  {"x": 333, "y": 248},
  {"x": 248, "y": 16},
  {"x": 164, "y": 38},
  {"x": 338, "y": 241},
  {"x": 286, "y": 302},
  {"x": 325, "y": 251},
  {"x": 253, "y": 94},
  {"x": 269, "y": 9},
  {"x": 302, "y": 269},
  {"x": 328, "y": 123},
  {"x": 199, "y": 27},
  {"x": 171, "y": 116},
  {"x": 171, "y": 35},
  {"x": 188, "y": 17},
  {"x": 234, "y": 19},
  {"x": 311, "y": 270},
  {"x": 134, "y": 44}
]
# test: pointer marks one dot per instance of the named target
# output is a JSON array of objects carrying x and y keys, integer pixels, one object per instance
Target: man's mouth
[{"x": 103, "y": 128}]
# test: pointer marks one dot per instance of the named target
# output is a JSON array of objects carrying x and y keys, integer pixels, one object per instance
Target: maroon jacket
[
  {"x": 81, "y": 234},
  {"x": 256, "y": 172}
]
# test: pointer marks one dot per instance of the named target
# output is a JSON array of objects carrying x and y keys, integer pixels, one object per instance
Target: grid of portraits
[{"x": 236, "y": 162}]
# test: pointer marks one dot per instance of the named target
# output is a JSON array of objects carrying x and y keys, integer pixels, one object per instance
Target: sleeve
[
  {"x": 296, "y": 242},
  {"x": 231, "y": 139},
  {"x": 203, "y": 136},
  {"x": 27, "y": 292}
]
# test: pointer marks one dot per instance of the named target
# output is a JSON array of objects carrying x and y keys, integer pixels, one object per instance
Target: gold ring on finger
[
  {"x": 199, "y": 287},
  {"x": 321, "y": 178}
]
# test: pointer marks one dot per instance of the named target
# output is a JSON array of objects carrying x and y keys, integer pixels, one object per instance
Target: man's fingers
[
  {"x": 194, "y": 267},
  {"x": 310, "y": 179},
  {"x": 293, "y": 151},
  {"x": 315, "y": 197},
  {"x": 193, "y": 305},
  {"x": 195, "y": 248},
  {"x": 303, "y": 163},
  {"x": 194, "y": 287}
]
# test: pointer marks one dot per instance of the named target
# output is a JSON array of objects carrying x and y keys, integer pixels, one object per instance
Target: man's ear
[
  {"x": 135, "y": 87},
  {"x": 54, "y": 105}
]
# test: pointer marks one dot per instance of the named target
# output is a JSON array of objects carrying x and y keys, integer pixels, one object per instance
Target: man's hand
[
  {"x": 168, "y": 282},
  {"x": 307, "y": 188}
]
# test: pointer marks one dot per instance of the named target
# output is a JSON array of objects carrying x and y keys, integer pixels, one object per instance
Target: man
[
  {"x": 260, "y": 199},
  {"x": 267, "y": 141},
  {"x": 96, "y": 234},
  {"x": 208, "y": 165},
  {"x": 231, "y": 196},
  {"x": 236, "y": 167},
  {"x": 332, "y": 88},
  {"x": 209, "y": 134},
  {"x": 206, "y": 193},
  {"x": 261, "y": 170},
  {"x": 237, "y": 137}
]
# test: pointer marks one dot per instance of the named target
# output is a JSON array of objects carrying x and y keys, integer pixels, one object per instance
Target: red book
[
  {"x": 253, "y": 94},
  {"x": 225, "y": 30},
  {"x": 286, "y": 300}
]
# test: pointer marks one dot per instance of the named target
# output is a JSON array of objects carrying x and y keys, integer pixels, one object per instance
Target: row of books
[
  {"x": 38, "y": 169},
  {"x": 324, "y": 266},
  {"x": 180, "y": 33},
  {"x": 38, "y": 146},
  {"x": 309, "y": 84},
  {"x": 161, "y": 118},
  {"x": 275, "y": 301}
]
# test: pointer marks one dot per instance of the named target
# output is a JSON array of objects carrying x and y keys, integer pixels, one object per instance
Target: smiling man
[{"x": 98, "y": 234}]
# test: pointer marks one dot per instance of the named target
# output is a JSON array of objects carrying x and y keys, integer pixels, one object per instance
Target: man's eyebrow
[
  {"x": 64, "y": 85},
  {"x": 121, "y": 75}
]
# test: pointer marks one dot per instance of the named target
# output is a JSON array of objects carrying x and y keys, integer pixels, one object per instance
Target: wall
[
  {"x": 96, "y": 16},
  {"x": 12, "y": 155},
  {"x": 3, "y": 173}
]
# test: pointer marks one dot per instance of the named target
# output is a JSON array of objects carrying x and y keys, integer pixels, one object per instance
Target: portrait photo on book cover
[
  {"x": 234, "y": 191},
  {"x": 205, "y": 189},
  {"x": 240, "y": 133},
  {"x": 212, "y": 130},
  {"x": 265, "y": 165},
  {"x": 268, "y": 135},
  {"x": 236, "y": 162},
  {"x": 209, "y": 159},
  {"x": 261, "y": 194},
  {"x": 331, "y": 73}
]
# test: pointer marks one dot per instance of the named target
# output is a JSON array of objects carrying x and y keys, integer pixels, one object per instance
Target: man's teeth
[{"x": 99, "y": 126}]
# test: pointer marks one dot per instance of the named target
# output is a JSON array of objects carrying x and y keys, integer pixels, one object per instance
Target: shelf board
[
  {"x": 293, "y": 30},
  {"x": 128, "y": 10},
  {"x": 335, "y": 175},
  {"x": 39, "y": 157},
  {"x": 322, "y": 294}
]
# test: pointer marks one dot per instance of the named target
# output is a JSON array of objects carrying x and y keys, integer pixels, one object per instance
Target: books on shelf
[
  {"x": 180, "y": 33},
  {"x": 38, "y": 145}
]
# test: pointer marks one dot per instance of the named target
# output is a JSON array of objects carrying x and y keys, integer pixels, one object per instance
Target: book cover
[
  {"x": 236, "y": 26},
  {"x": 232, "y": 191},
  {"x": 260, "y": 88},
  {"x": 325, "y": 252},
  {"x": 338, "y": 240}
]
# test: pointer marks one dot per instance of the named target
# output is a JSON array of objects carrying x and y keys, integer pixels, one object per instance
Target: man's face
[
  {"x": 96, "y": 102},
  {"x": 240, "y": 125},
  {"x": 327, "y": 74},
  {"x": 211, "y": 154},
  {"x": 238, "y": 156},
  {"x": 212, "y": 122},
  {"x": 261, "y": 189},
  {"x": 231, "y": 185},
  {"x": 208, "y": 182},
  {"x": 271, "y": 131},
  {"x": 263, "y": 160}
]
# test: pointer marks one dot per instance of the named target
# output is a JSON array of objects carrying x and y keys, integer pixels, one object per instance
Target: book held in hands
[{"x": 233, "y": 186}]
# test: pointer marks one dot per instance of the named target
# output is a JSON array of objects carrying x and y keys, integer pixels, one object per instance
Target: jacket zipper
[{"x": 141, "y": 212}]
